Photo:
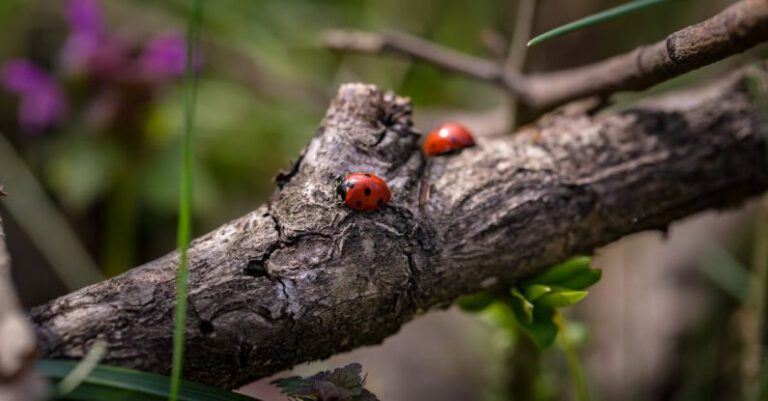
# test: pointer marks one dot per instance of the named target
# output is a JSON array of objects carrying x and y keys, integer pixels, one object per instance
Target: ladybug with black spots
[
  {"x": 451, "y": 137},
  {"x": 363, "y": 191}
]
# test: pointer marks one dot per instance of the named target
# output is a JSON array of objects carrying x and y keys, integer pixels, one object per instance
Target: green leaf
[
  {"x": 561, "y": 298},
  {"x": 534, "y": 291},
  {"x": 120, "y": 384},
  {"x": 582, "y": 280},
  {"x": 475, "y": 302},
  {"x": 542, "y": 330},
  {"x": 562, "y": 272},
  {"x": 521, "y": 306},
  {"x": 594, "y": 19}
]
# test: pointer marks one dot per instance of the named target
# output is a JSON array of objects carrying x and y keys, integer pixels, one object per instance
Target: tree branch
[
  {"x": 736, "y": 29},
  {"x": 303, "y": 277},
  {"x": 18, "y": 381}
]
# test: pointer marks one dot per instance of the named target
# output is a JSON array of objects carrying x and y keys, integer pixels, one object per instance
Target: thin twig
[
  {"x": 516, "y": 55},
  {"x": 417, "y": 48},
  {"x": 736, "y": 29},
  {"x": 518, "y": 50}
]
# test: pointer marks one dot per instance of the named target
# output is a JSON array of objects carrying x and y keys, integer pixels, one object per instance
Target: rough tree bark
[{"x": 303, "y": 277}]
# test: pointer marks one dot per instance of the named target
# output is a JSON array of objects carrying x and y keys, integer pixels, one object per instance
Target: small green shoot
[
  {"x": 185, "y": 198},
  {"x": 120, "y": 384},
  {"x": 532, "y": 307},
  {"x": 535, "y": 301},
  {"x": 594, "y": 19}
]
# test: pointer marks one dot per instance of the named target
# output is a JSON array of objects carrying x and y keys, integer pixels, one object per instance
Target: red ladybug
[
  {"x": 363, "y": 191},
  {"x": 448, "y": 138}
]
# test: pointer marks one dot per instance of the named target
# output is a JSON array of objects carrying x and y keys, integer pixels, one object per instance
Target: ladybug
[
  {"x": 450, "y": 137},
  {"x": 363, "y": 191}
]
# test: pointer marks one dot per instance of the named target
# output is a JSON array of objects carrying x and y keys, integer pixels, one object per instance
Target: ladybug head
[{"x": 341, "y": 189}]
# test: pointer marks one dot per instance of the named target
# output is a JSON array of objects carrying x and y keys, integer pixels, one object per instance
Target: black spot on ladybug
[
  {"x": 359, "y": 203},
  {"x": 367, "y": 191},
  {"x": 380, "y": 201},
  {"x": 350, "y": 185},
  {"x": 368, "y": 175},
  {"x": 206, "y": 327},
  {"x": 453, "y": 140}
]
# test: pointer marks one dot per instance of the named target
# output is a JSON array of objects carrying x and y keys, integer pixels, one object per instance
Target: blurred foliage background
[{"x": 108, "y": 167}]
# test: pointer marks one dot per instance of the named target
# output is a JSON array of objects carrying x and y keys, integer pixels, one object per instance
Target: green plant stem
[
  {"x": 575, "y": 367},
  {"x": 594, "y": 19},
  {"x": 185, "y": 201}
]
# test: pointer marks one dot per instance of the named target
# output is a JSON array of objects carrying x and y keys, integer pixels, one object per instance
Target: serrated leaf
[
  {"x": 522, "y": 308},
  {"x": 475, "y": 302},
  {"x": 348, "y": 377},
  {"x": 296, "y": 386},
  {"x": 561, "y": 298},
  {"x": 562, "y": 272},
  {"x": 342, "y": 384},
  {"x": 594, "y": 19},
  {"x": 534, "y": 291},
  {"x": 542, "y": 330},
  {"x": 118, "y": 384}
]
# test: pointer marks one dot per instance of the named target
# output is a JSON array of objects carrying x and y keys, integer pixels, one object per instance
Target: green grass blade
[
  {"x": 117, "y": 384},
  {"x": 594, "y": 19},
  {"x": 185, "y": 201}
]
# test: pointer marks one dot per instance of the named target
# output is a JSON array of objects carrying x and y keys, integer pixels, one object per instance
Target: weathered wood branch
[
  {"x": 736, "y": 29},
  {"x": 304, "y": 277}
]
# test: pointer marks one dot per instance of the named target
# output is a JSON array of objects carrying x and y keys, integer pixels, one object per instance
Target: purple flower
[
  {"x": 42, "y": 103},
  {"x": 165, "y": 57},
  {"x": 88, "y": 48},
  {"x": 85, "y": 16}
]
